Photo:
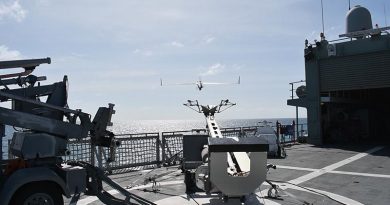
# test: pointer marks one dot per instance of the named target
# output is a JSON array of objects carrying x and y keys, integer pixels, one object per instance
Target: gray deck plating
[{"x": 351, "y": 175}]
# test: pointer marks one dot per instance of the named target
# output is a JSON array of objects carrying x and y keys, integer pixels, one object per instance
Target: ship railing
[
  {"x": 294, "y": 86},
  {"x": 172, "y": 145},
  {"x": 143, "y": 150},
  {"x": 172, "y": 142},
  {"x": 298, "y": 90},
  {"x": 135, "y": 151},
  {"x": 288, "y": 135}
]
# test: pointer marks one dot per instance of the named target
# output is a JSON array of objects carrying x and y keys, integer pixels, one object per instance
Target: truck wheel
[{"x": 38, "y": 194}]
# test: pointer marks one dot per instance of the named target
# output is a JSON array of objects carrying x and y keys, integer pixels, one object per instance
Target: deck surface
[{"x": 309, "y": 174}]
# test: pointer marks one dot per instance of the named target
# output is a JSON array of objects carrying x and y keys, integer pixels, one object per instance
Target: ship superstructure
[{"x": 348, "y": 83}]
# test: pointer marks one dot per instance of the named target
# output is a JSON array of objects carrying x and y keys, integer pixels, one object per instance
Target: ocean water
[
  {"x": 148, "y": 126},
  {"x": 145, "y": 126}
]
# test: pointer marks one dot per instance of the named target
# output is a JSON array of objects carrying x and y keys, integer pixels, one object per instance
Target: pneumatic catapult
[
  {"x": 231, "y": 166},
  {"x": 38, "y": 174}
]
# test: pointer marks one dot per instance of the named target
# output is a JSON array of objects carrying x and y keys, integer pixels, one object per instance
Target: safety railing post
[
  {"x": 99, "y": 157},
  {"x": 2, "y": 134},
  {"x": 277, "y": 132},
  {"x": 163, "y": 145},
  {"x": 92, "y": 157},
  {"x": 158, "y": 144}
]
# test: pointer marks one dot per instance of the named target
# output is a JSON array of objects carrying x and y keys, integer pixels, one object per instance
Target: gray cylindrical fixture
[
  {"x": 301, "y": 91},
  {"x": 358, "y": 19}
]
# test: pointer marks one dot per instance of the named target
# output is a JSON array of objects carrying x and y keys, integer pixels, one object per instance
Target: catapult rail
[
  {"x": 28, "y": 65},
  {"x": 65, "y": 110}
]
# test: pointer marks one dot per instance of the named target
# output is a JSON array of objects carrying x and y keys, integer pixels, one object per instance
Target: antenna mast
[
  {"x": 322, "y": 13},
  {"x": 349, "y": 5},
  {"x": 384, "y": 10}
]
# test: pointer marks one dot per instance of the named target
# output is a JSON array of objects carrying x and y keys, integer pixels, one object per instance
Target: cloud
[
  {"x": 142, "y": 52},
  {"x": 214, "y": 69},
  {"x": 122, "y": 73},
  {"x": 311, "y": 35},
  {"x": 72, "y": 57},
  {"x": 6, "y": 54},
  {"x": 334, "y": 32},
  {"x": 208, "y": 39},
  {"x": 237, "y": 67},
  {"x": 136, "y": 51},
  {"x": 12, "y": 10},
  {"x": 108, "y": 88},
  {"x": 330, "y": 33},
  {"x": 176, "y": 44}
]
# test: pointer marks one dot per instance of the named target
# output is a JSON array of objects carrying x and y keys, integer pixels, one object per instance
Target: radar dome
[{"x": 358, "y": 19}]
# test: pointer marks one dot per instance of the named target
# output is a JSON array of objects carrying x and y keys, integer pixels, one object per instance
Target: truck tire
[{"x": 39, "y": 193}]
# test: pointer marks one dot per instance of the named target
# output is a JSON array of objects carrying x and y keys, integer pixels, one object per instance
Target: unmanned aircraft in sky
[{"x": 200, "y": 84}]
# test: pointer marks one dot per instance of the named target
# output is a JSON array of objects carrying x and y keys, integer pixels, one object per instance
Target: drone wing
[
  {"x": 183, "y": 84},
  {"x": 161, "y": 83},
  {"x": 199, "y": 83},
  {"x": 211, "y": 83}
]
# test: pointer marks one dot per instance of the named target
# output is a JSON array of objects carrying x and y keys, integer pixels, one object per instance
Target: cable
[
  {"x": 17, "y": 130},
  {"x": 193, "y": 198},
  {"x": 169, "y": 177},
  {"x": 152, "y": 179},
  {"x": 132, "y": 185},
  {"x": 296, "y": 198},
  {"x": 173, "y": 158},
  {"x": 300, "y": 202},
  {"x": 2, "y": 83},
  {"x": 325, "y": 195},
  {"x": 262, "y": 197}
]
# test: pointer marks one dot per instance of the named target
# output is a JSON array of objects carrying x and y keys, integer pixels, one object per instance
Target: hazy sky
[{"x": 117, "y": 51}]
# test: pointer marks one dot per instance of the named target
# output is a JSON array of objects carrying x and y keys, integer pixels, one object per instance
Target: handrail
[{"x": 292, "y": 87}]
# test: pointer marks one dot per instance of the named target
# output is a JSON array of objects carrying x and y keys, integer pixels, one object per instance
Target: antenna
[
  {"x": 322, "y": 13},
  {"x": 349, "y": 5},
  {"x": 384, "y": 10}
]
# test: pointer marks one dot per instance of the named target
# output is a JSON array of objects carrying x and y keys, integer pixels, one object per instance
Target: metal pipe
[
  {"x": 292, "y": 90},
  {"x": 2, "y": 134},
  {"x": 296, "y": 125},
  {"x": 322, "y": 15}
]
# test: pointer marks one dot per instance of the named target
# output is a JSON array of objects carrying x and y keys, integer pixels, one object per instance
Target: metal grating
[
  {"x": 172, "y": 144},
  {"x": 80, "y": 150},
  {"x": 135, "y": 150},
  {"x": 231, "y": 132},
  {"x": 9, "y": 154},
  {"x": 249, "y": 131}
]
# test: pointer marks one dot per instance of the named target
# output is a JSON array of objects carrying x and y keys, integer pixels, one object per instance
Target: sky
[{"x": 117, "y": 51}]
